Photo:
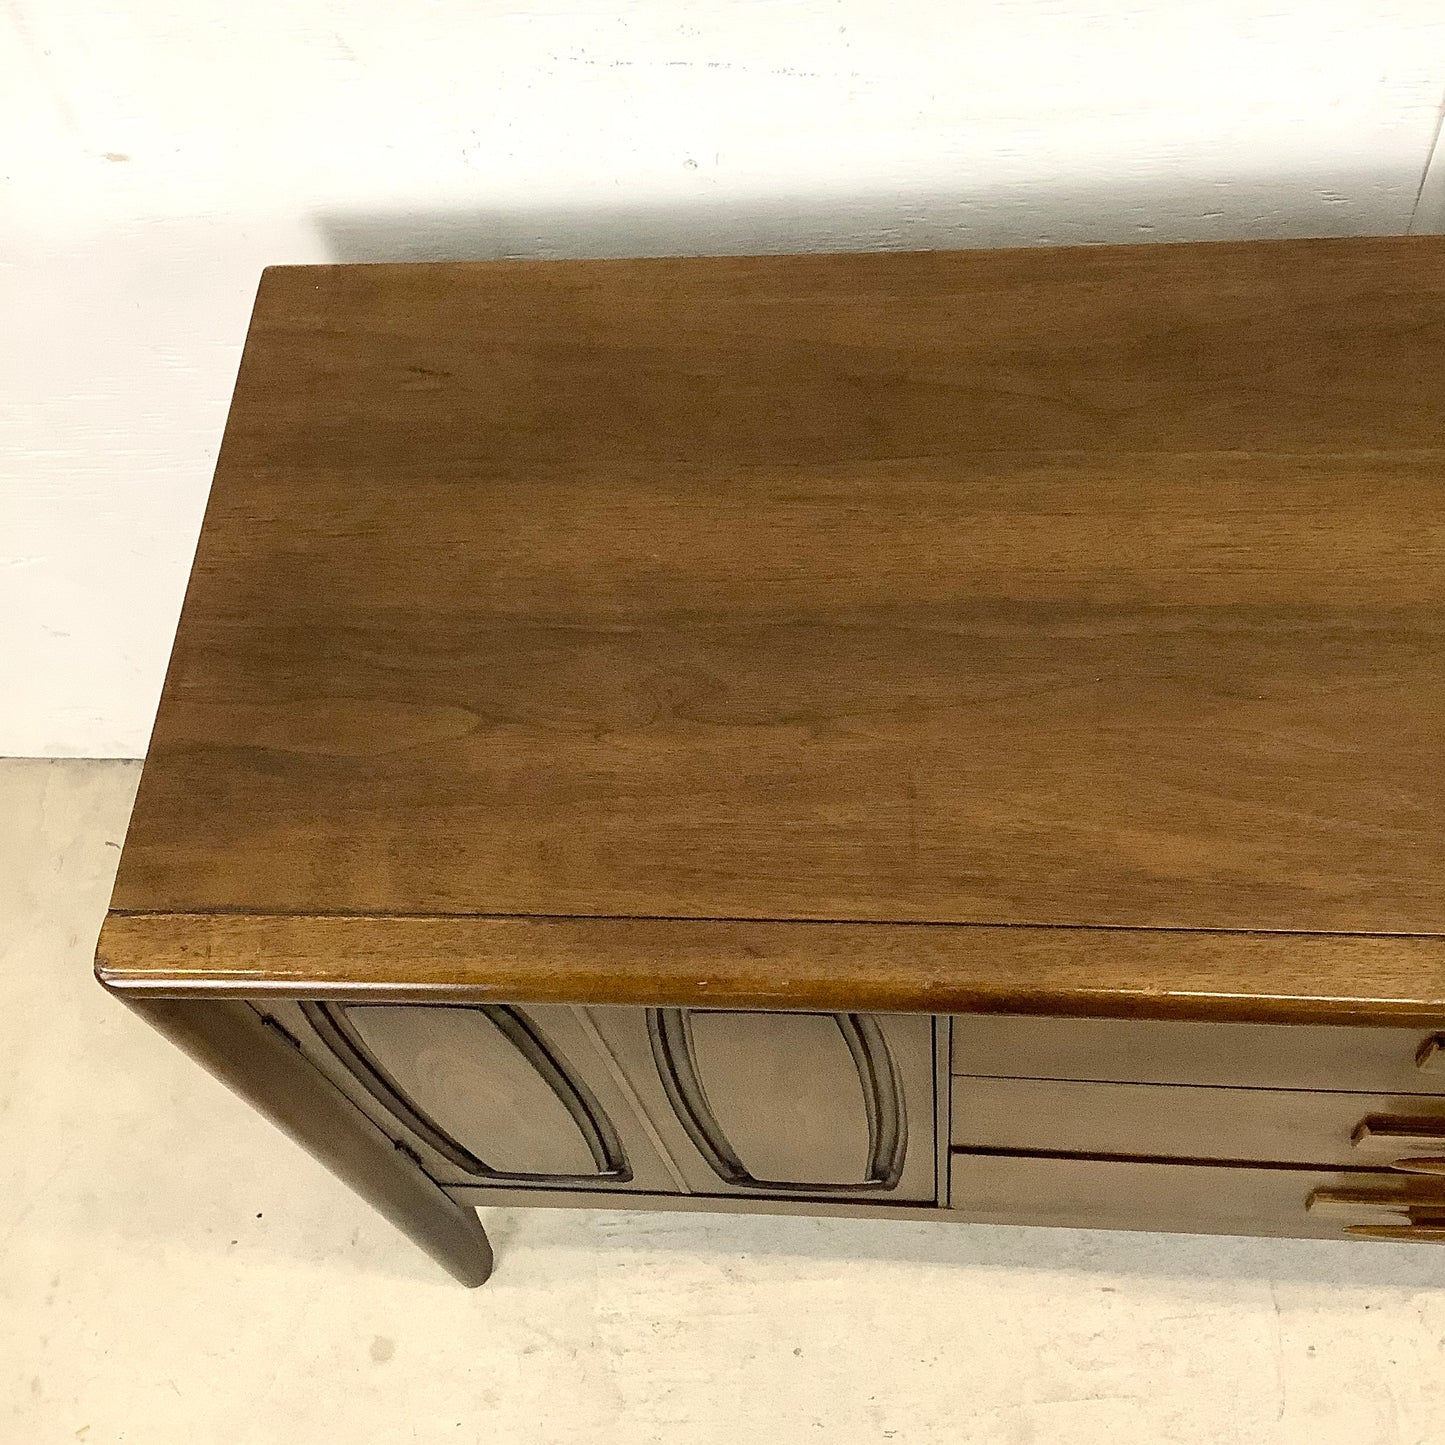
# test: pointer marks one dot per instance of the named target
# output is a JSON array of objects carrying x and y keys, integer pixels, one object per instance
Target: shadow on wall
[{"x": 1261, "y": 207}]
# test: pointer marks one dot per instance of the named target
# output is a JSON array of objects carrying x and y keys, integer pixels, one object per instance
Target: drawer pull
[
  {"x": 1431, "y": 1054},
  {"x": 1416, "y": 1233},
  {"x": 1353, "y": 1203},
  {"x": 1370, "y": 1214},
  {"x": 1419, "y": 1166},
  {"x": 1389, "y": 1132}
]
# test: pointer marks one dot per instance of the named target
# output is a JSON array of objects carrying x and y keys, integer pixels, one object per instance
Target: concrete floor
[{"x": 173, "y": 1270}]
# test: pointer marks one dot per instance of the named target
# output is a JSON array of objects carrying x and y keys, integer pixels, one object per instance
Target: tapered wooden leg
[{"x": 230, "y": 1039}]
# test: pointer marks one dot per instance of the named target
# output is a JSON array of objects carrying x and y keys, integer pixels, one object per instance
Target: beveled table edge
[{"x": 1263, "y": 977}]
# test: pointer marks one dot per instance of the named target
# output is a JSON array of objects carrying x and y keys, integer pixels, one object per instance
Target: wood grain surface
[
  {"x": 1082, "y": 1193},
  {"x": 1170, "y": 1121},
  {"x": 1095, "y": 587},
  {"x": 1128, "y": 973},
  {"x": 1230, "y": 1055}
]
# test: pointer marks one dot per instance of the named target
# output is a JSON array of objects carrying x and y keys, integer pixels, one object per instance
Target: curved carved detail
[
  {"x": 670, "y": 1033},
  {"x": 598, "y": 1132}
]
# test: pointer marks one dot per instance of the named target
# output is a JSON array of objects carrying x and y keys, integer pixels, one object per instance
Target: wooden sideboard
[{"x": 942, "y": 735}]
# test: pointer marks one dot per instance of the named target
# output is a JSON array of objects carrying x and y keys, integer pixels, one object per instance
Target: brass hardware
[
  {"x": 1354, "y": 1203},
  {"x": 1419, "y": 1166},
  {"x": 1415, "y": 1233},
  {"x": 1371, "y": 1214},
  {"x": 1401, "y": 1135},
  {"x": 1431, "y": 1054}
]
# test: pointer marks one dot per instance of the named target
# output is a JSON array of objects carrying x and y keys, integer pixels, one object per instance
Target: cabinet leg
[{"x": 230, "y": 1039}]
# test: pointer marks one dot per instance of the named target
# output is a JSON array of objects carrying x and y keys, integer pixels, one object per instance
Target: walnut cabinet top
[{"x": 1054, "y": 631}]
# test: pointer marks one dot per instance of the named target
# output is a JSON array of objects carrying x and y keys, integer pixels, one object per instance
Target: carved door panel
[
  {"x": 488, "y": 1094},
  {"x": 820, "y": 1105}
]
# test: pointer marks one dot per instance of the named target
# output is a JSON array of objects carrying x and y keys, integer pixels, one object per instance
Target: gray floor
[{"x": 172, "y": 1270}]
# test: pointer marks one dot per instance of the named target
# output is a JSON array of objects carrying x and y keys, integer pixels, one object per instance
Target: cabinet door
[
  {"x": 824, "y": 1105},
  {"x": 487, "y": 1093}
]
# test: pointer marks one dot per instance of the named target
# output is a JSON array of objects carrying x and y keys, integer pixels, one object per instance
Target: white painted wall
[{"x": 155, "y": 155}]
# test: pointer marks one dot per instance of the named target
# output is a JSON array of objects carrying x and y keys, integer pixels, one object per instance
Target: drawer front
[
  {"x": 1195, "y": 1198},
  {"x": 1261, "y": 1056},
  {"x": 1182, "y": 1122}
]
